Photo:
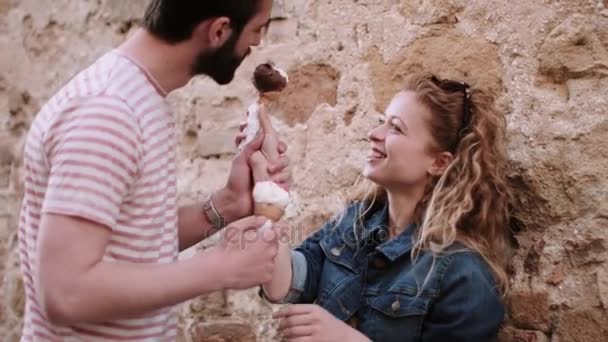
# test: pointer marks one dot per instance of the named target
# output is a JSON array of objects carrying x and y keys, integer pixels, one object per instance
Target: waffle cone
[
  {"x": 269, "y": 211},
  {"x": 269, "y": 97}
]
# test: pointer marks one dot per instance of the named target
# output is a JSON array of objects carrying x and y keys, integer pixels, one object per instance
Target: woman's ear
[
  {"x": 440, "y": 163},
  {"x": 213, "y": 33}
]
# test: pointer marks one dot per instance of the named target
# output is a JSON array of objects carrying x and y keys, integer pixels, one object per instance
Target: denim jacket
[{"x": 373, "y": 282}]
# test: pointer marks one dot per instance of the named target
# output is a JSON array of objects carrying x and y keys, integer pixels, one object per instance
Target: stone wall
[{"x": 547, "y": 60}]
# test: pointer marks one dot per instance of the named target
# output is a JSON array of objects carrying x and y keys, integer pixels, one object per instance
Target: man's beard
[{"x": 220, "y": 64}]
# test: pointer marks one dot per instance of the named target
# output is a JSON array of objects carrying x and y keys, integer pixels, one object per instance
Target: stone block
[
  {"x": 427, "y": 12},
  {"x": 583, "y": 326},
  {"x": 510, "y": 334},
  {"x": 602, "y": 285},
  {"x": 557, "y": 275},
  {"x": 573, "y": 50},
  {"x": 223, "y": 331},
  {"x": 451, "y": 55},
  {"x": 530, "y": 310},
  {"x": 216, "y": 143},
  {"x": 309, "y": 86}
]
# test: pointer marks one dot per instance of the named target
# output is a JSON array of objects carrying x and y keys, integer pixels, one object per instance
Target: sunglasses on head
[{"x": 465, "y": 89}]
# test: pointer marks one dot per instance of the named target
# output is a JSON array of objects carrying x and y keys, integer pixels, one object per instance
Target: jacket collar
[{"x": 376, "y": 233}]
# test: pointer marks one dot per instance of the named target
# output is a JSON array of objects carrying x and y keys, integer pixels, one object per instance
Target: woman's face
[{"x": 400, "y": 152}]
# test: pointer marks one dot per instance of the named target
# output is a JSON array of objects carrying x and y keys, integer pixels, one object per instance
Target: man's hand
[
  {"x": 249, "y": 248},
  {"x": 279, "y": 173},
  {"x": 308, "y": 323},
  {"x": 240, "y": 182},
  {"x": 235, "y": 200}
]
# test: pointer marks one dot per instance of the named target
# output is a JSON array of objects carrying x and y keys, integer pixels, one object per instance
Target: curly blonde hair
[{"x": 469, "y": 203}]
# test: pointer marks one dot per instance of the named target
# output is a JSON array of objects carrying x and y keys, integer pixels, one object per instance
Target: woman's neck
[{"x": 402, "y": 209}]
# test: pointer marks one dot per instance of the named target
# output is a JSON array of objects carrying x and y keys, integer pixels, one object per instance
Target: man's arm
[
  {"x": 194, "y": 225},
  {"x": 77, "y": 286},
  {"x": 94, "y": 154}
]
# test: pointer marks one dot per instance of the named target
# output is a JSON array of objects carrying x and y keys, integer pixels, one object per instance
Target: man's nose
[{"x": 257, "y": 40}]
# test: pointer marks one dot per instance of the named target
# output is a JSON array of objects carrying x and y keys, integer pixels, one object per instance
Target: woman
[{"x": 421, "y": 255}]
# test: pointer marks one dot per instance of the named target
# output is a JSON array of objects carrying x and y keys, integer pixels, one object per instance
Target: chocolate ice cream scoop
[{"x": 267, "y": 78}]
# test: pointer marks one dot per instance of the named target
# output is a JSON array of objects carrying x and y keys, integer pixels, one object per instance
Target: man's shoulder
[
  {"x": 88, "y": 84},
  {"x": 102, "y": 102},
  {"x": 99, "y": 109},
  {"x": 101, "y": 114},
  {"x": 111, "y": 77}
]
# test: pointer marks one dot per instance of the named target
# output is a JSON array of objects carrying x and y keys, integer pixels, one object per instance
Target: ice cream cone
[
  {"x": 270, "y": 211},
  {"x": 269, "y": 97}
]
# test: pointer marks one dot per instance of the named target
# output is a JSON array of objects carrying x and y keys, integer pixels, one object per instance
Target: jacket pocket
[
  {"x": 343, "y": 299},
  {"x": 398, "y": 316},
  {"x": 396, "y": 305},
  {"x": 340, "y": 282},
  {"x": 339, "y": 253}
]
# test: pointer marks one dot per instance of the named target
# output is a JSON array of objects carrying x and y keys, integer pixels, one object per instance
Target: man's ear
[
  {"x": 440, "y": 164},
  {"x": 214, "y": 32}
]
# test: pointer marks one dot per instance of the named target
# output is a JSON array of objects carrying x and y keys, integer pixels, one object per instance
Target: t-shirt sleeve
[{"x": 92, "y": 149}]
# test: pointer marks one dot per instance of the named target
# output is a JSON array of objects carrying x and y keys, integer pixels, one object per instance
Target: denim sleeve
[
  {"x": 298, "y": 279},
  {"x": 299, "y": 275},
  {"x": 307, "y": 264},
  {"x": 469, "y": 307}
]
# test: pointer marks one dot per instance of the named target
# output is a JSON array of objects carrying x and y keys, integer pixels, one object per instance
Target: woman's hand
[
  {"x": 279, "y": 172},
  {"x": 308, "y": 323}
]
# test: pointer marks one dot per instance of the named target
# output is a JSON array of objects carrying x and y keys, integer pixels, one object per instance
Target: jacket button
[
  {"x": 395, "y": 306},
  {"x": 336, "y": 251}
]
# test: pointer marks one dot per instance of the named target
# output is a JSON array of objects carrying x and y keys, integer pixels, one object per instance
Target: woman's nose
[{"x": 376, "y": 134}]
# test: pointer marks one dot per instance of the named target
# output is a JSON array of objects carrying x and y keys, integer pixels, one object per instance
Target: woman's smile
[{"x": 375, "y": 154}]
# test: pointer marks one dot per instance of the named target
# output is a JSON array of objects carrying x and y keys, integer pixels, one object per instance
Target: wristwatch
[{"x": 216, "y": 219}]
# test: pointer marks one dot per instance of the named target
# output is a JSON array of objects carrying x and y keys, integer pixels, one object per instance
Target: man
[{"x": 99, "y": 230}]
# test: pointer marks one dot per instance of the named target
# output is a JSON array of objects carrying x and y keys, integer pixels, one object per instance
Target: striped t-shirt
[{"x": 103, "y": 149}]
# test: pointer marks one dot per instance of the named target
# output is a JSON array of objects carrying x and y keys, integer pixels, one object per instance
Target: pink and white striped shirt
[{"x": 103, "y": 148}]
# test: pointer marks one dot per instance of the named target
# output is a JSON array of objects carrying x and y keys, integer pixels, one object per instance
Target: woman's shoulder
[
  {"x": 468, "y": 268},
  {"x": 468, "y": 305}
]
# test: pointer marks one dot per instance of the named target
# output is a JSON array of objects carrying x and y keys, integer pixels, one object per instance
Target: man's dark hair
[{"x": 174, "y": 20}]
